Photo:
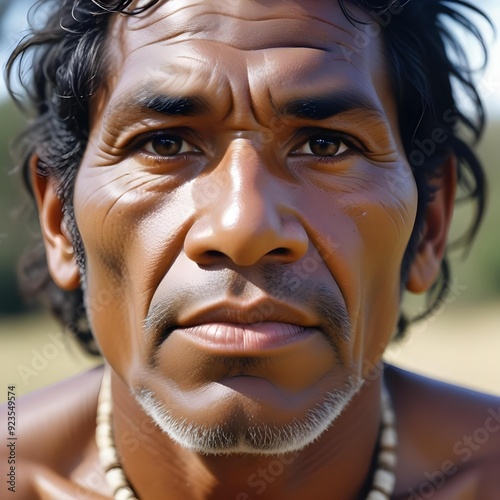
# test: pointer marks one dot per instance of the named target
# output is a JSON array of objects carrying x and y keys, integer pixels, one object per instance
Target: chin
[{"x": 240, "y": 429}]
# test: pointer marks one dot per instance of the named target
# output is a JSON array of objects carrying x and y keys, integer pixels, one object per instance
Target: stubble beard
[{"x": 262, "y": 439}]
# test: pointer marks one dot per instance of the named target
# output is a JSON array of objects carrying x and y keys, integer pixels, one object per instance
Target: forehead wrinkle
[
  {"x": 223, "y": 85},
  {"x": 248, "y": 48},
  {"x": 303, "y": 14},
  {"x": 196, "y": 27}
]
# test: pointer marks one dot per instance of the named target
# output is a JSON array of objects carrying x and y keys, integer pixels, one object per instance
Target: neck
[{"x": 153, "y": 463}]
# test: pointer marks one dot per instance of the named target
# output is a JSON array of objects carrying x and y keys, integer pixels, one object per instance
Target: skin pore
[{"x": 236, "y": 199}]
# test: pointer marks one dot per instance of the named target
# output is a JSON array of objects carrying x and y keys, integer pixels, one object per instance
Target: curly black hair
[{"x": 426, "y": 65}]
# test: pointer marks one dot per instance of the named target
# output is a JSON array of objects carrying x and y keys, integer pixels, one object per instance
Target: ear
[
  {"x": 426, "y": 264},
  {"x": 58, "y": 247}
]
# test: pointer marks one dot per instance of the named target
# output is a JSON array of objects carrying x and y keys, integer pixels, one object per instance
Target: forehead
[
  {"x": 213, "y": 46},
  {"x": 246, "y": 24}
]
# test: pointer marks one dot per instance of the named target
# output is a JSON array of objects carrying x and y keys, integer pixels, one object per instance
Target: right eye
[{"x": 167, "y": 145}]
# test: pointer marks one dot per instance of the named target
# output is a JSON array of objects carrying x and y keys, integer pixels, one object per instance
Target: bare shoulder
[
  {"x": 449, "y": 439},
  {"x": 53, "y": 428}
]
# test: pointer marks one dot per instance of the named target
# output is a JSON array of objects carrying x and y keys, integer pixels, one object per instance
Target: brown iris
[
  {"x": 166, "y": 145},
  {"x": 325, "y": 145}
]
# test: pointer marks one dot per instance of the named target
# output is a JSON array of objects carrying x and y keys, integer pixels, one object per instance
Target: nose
[{"x": 251, "y": 218}]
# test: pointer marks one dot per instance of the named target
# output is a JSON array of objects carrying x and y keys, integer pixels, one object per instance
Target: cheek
[
  {"x": 130, "y": 227},
  {"x": 362, "y": 237},
  {"x": 385, "y": 223},
  {"x": 361, "y": 222},
  {"x": 385, "y": 219}
]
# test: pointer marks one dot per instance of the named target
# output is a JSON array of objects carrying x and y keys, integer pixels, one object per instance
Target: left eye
[
  {"x": 168, "y": 145},
  {"x": 323, "y": 145}
]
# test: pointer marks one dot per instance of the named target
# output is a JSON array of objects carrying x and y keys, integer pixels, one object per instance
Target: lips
[
  {"x": 241, "y": 327},
  {"x": 246, "y": 327},
  {"x": 245, "y": 338},
  {"x": 256, "y": 312}
]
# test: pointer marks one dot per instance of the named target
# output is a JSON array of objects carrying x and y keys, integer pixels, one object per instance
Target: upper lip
[{"x": 256, "y": 311}]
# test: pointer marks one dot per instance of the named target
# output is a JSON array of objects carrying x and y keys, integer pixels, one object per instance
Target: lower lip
[{"x": 247, "y": 338}]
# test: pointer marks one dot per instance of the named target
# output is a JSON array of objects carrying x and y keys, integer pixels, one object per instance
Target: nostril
[
  {"x": 214, "y": 254},
  {"x": 210, "y": 257},
  {"x": 280, "y": 252}
]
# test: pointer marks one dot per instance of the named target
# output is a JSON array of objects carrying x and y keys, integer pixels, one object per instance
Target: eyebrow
[
  {"x": 164, "y": 104},
  {"x": 327, "y": 105},
  {"x": 175, "y": 105}
]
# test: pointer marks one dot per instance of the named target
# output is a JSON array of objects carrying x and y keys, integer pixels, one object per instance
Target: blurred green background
[{"x": 461, "y": 344}]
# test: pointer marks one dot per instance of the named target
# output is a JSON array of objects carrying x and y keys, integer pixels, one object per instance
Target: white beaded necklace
[{"x": 384, "y": 478}]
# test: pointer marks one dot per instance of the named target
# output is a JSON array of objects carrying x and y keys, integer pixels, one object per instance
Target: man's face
[{"x": 237, "y": 201}]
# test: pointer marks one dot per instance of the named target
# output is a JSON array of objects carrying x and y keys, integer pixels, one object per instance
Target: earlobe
[
  {"x": 58, "y": 247},
  {"x": 426, "y": 264}
]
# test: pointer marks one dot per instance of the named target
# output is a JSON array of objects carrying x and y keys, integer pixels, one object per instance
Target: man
[{"x": 232, "y": 195}]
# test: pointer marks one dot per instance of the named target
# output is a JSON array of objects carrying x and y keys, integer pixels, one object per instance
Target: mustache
[{"x": 275, "y": 282}]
